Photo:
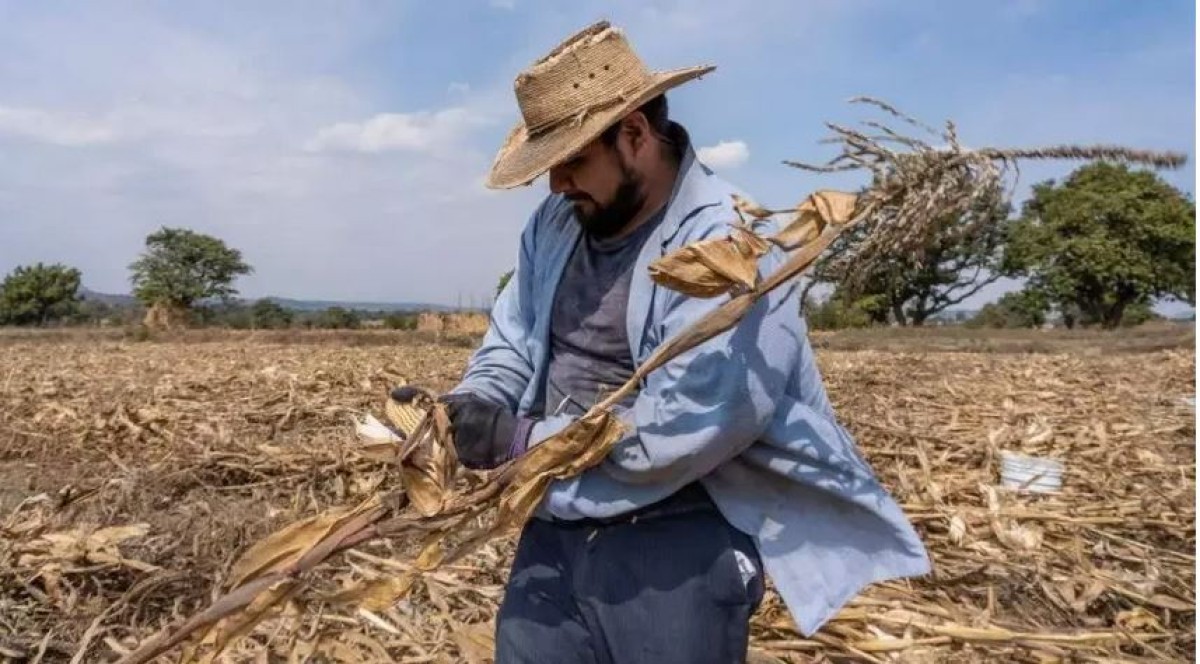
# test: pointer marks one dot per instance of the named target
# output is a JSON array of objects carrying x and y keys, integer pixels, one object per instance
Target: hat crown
[
  {"x": 570, "y": 96},
  {"x": 593, "y": 68}
]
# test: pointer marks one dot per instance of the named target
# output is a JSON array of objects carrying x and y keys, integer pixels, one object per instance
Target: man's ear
[{"x": 637, "y": 129}]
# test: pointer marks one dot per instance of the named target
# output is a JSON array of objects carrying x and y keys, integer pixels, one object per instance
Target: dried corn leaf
[
  {"x": 429, "y": 462},
  {"x": 711, "y": 267},
  {"x": 688, "y": 276},
  {"x": 78, "y": 545},
  {"x": 337, "y": 651},
  {"x": 1138, "y": 620},
  {"x": 1020, "y": 537},
  {"x": 379, "y": 451},
  {"x": 286, "y": 546},
  {"x": 104, "y": 557},
  {"x": 476, "y": 643},
  {"x": 958, "y": 529},
  {"x": 105, "y": 538},
  {"x": 1168, "y": 602},
  {"x": 579, "y": 446},
  {"x": 748, "y": 242},
  {"x": 426, "y": 475},
  {"x": 377, "y": 622},
  {"x": 749, "y": 207},
  {"x": 432, "y": 555},
  {"x": 225, "y": 631},
  {"x": 817, "y": 211},
  {"x": 368, "y": 646},
  {"x": 377, "y": 594},
  {"x": 381, "y": 594}
]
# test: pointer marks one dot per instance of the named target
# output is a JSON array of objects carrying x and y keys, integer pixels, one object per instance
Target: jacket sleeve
[
  {"x": 501, "y": 368},
  {"x": 699, "y": 410}
]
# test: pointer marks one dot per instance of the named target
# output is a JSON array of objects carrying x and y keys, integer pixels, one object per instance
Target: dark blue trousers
[{"x": 672, "y": 583}]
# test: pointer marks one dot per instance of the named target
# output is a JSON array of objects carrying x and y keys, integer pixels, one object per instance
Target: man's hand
[
  {"x": 408, "y": 393},
  {"x": 485, "y": 434}
]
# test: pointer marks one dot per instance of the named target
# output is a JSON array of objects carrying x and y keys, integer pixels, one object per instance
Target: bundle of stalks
[
  {"x": 917, "y": 188},
  {"x": 914, "y": 187}
]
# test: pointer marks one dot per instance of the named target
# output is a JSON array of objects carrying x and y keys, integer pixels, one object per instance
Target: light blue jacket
[{"x": 745, "y": 413}]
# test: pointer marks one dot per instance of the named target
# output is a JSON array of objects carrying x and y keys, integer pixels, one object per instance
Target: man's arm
[{"x": 500, "y": 369}]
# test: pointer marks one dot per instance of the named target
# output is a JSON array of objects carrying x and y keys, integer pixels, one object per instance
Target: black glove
[{"x": 486, "y": 434}]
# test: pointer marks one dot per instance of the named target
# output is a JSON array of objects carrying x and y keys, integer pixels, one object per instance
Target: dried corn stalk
[
  {"x": 913, "y": 187},
  {"x": 917, "y": 187}
]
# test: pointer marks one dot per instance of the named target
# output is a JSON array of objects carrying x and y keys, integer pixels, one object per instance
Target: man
[{"x": 733, "y": 462}]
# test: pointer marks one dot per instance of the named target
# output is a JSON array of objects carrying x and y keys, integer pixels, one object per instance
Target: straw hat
[{"x": 569, "y": 98}]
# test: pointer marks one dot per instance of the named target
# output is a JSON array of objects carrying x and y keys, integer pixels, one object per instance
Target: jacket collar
[{"x": 694, "y": 188}]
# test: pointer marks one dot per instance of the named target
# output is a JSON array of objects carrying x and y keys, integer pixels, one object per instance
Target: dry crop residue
[{"x": 132, "y": 474}]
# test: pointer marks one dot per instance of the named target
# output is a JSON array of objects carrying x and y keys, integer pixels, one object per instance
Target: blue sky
[{"x": 342, "y": 145}]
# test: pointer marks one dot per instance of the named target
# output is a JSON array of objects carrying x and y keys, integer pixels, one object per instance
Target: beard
[{"x": 605, "y": 221}]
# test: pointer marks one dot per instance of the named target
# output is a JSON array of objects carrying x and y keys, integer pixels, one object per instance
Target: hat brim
[{"x": 523, "y": 159}]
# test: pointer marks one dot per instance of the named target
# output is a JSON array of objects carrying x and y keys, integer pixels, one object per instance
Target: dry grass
[
  {"x": 213, "y": 445},
  {"x": 1155, "y": 336},
  {"x": 1151, "y": 337}
]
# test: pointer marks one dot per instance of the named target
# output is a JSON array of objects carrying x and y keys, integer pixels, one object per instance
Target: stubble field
[{"x": 132, "y": 474}]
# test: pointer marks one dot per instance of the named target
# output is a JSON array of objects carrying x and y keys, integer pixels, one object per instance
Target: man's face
[{"x": 604, "y": 189}]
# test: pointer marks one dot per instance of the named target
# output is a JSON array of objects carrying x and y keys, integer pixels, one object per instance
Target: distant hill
[
  {"x": 118, "y": 300},
  {"x": 320, "y": 305},
  {"x": 110, "y": 299},
  {"x": 955, "y": 315}
]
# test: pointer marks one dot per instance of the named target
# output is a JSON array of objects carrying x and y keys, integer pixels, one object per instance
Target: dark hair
[{"x": 655, "y": 111}]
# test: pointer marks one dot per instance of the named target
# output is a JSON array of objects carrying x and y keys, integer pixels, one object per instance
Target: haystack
[{"x": 163, "y": 316}]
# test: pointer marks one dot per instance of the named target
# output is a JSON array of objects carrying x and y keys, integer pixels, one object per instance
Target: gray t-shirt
[{"x": 589, "y": 347}]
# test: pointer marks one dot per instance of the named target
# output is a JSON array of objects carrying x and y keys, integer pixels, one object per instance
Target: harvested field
[{"x": 133, "y": 474}]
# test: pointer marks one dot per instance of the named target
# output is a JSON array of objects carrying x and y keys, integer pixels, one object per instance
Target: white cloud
[
  {"x": 726, "y": 154},
  {"x": 503, "y": 4},
  {"x": 202, "y": 117},
  {"x": 64, "y": 129},
  {"x": 206, "y": 133},
  {"x": 423, "y": 132}
]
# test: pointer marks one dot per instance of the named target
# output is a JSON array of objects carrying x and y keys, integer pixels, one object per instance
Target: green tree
[
  {"x": 1105, "y": 240},
  {"x": 230, "y": 314},
  {"x": 1025, "y": 308},
  {"x": 181, "y": 267},
  {"x": 338, "y": 318},
  {"x": 961, "y": 257},
  {"x": 400, "y": 321},
  {"x": 92, "y": 312},
  {"x": 1138, "y": 313},
  {"x": 504, "y": 279},
  {"x": 38, "y": 294},
  {"x": 270, "y": 315},
  {"x": 840, "y": 311}
]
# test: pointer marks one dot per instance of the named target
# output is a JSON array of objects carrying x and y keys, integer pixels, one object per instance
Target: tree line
[
  {"x": 1097, "y": 249},
  {"x": 181, "y": 271}
]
